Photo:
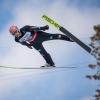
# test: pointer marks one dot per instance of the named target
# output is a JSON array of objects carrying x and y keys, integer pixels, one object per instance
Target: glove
[
  {"x": 44, "y": 28},
  {"x": 30, "y": 47}
]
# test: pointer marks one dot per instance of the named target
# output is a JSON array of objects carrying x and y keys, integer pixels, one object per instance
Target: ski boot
[{"x": 48, "y": 65}]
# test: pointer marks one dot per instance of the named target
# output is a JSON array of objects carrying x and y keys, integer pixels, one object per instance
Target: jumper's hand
[
  {"x": 30, "y": 47},
  {"x": 45, "y": 28}
]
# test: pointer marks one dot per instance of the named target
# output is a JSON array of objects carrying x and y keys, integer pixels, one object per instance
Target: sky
[{"x": 79, "y": 17}]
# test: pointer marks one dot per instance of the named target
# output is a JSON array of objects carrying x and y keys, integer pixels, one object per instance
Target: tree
[{"x": 95, "y": 45}]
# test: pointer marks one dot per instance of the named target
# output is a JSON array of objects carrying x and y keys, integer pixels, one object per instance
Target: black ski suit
[{"x": 35, "y": 36}]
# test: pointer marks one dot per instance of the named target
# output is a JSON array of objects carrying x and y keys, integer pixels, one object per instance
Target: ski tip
[{"x": 31, "y": 68}]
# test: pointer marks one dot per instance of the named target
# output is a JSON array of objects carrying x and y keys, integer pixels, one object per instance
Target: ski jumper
[{"x": 35, "y": 36}]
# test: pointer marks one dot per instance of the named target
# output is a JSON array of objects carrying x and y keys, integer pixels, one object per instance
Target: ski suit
[{"x": 35, "y": 36}]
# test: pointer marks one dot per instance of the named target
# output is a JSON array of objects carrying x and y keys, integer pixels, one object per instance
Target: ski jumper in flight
[{"x": 33, "y": 36}]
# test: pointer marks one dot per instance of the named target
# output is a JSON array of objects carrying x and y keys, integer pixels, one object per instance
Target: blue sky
[
  {"x": 84, "y": 4},
  {"x": 78, "y": 16}
]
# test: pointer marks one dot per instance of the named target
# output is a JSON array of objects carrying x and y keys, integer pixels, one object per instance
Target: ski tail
[{"x": 66, "y": 32}]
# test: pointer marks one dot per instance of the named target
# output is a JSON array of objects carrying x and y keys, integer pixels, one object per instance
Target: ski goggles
[{"x": 13, "y": 33}]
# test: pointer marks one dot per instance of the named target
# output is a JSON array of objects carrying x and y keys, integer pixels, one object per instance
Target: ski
[
  {"x": 28, "y": 68},
  {"x": 66, "y": 32}
]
